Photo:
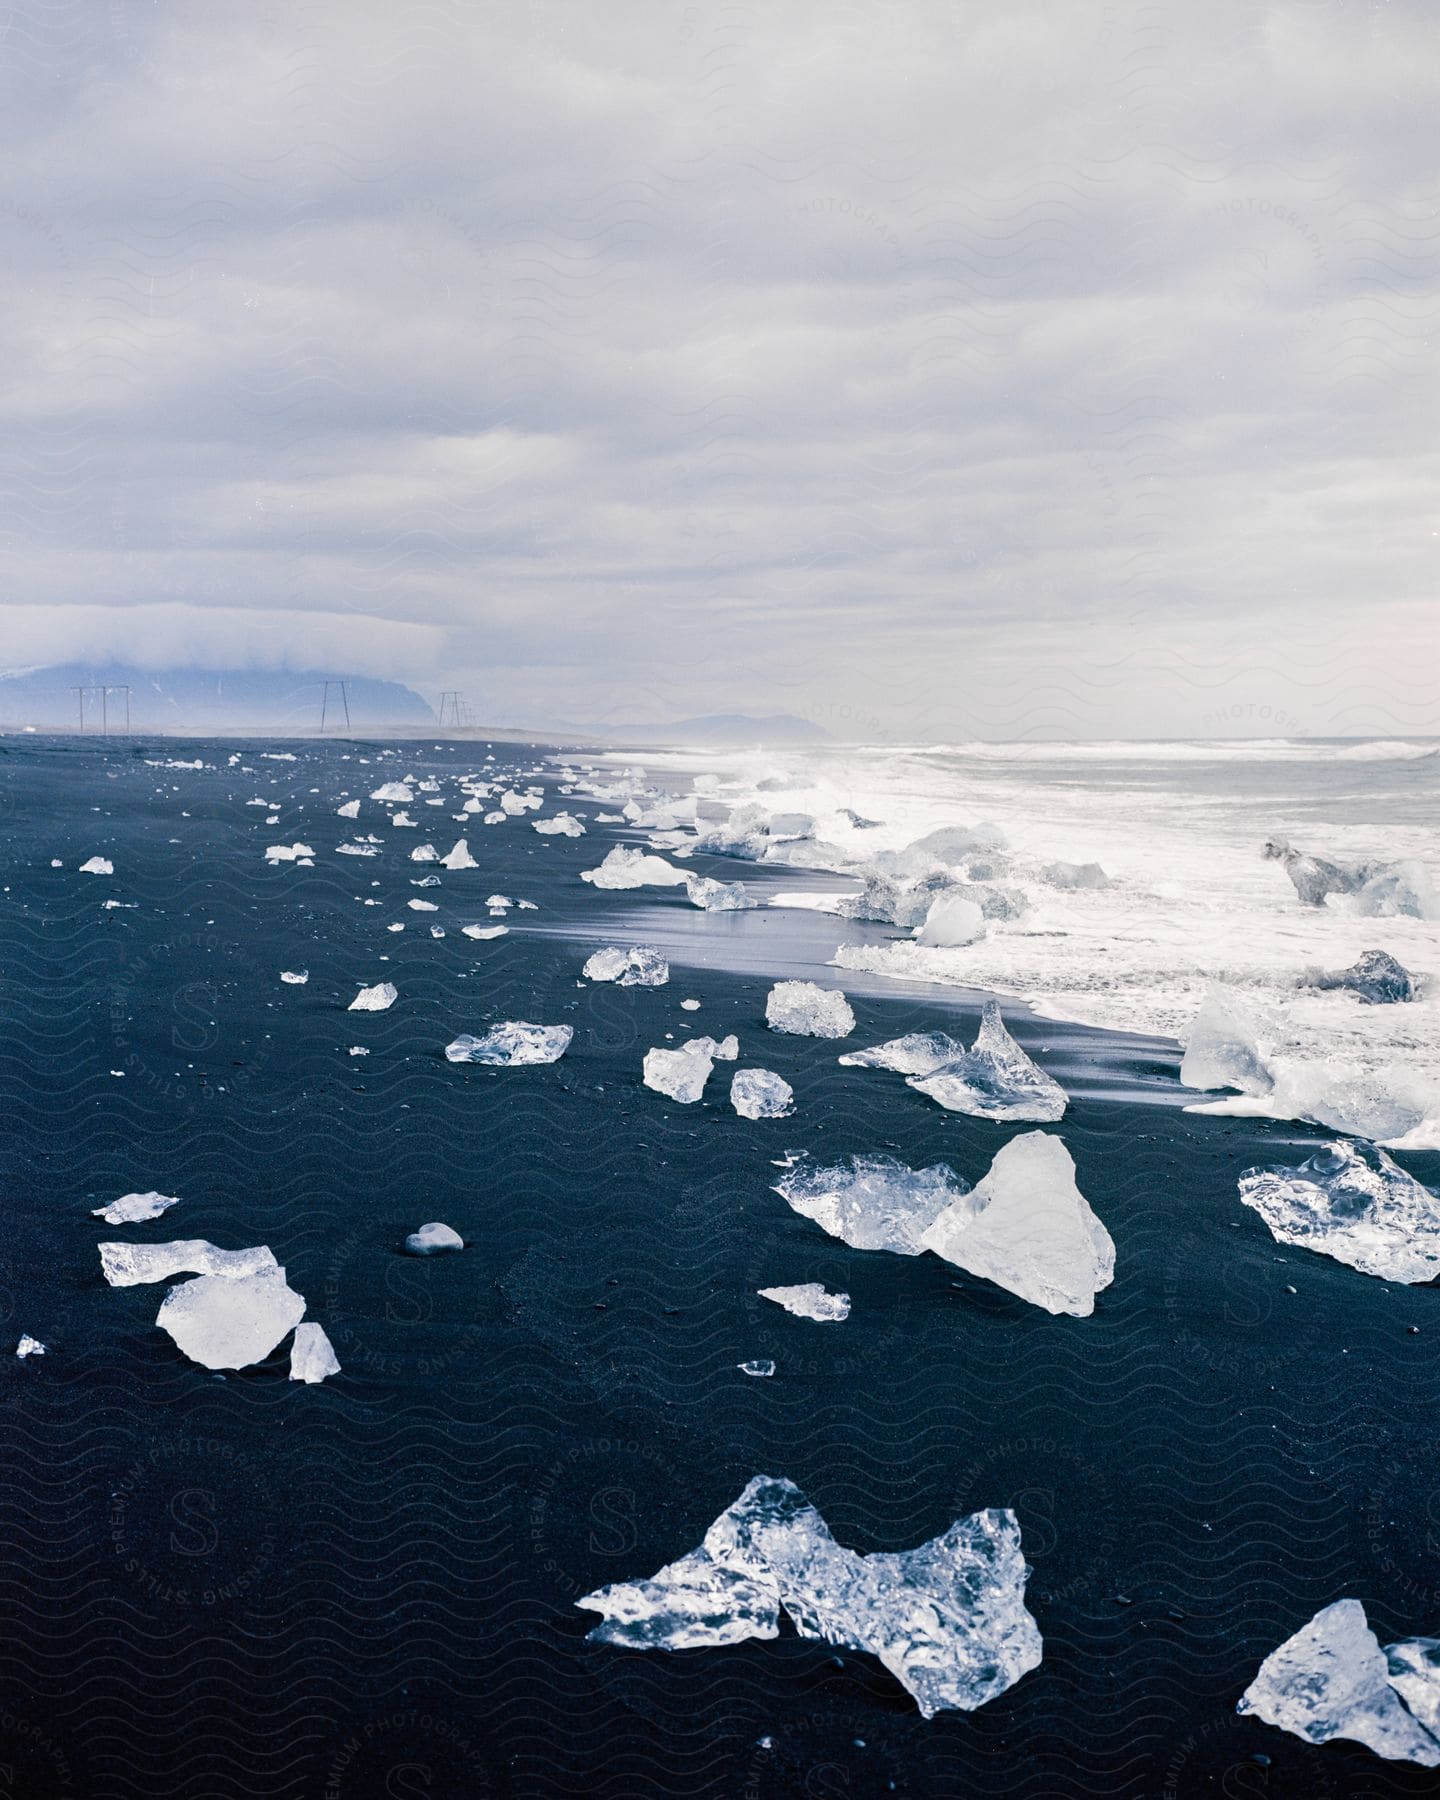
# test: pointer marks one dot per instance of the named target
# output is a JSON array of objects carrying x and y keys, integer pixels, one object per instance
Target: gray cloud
[{"x": 935, "y": 371}]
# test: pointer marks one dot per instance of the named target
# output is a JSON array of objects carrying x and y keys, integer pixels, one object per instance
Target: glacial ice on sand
[
  {"x": 383, "y": 995},
  {"x": 624, "y": 868},
  {"x": 297, "y": 852},
  {"x": 760, "y": 1367},
  {"x": 995, "y": 1079},
  {"x": 131, "y": 1209},
  {"x": 127, "y": 1265},
  {"x": 1377, "y": 977},
  {"x": 680, "y": 1074},
  {"x": 1075, "y": 875},
  {"x": 1332, "y": 1680},
  {"x": 1223, "y": 1049},
  {"x": 761, "y": 1094},
  {"x": 397, "y": 792},
  {"x": 876, "y": 1202},
  {"x": 1372, "y": 889},
  {"x": 29, "y": 1346},
  {"x": 350, "y": 810},
  {"x": 637, "y": 966},
  {"x": 512, "y": 1043},
  {"x": 431, "y": 1239},
  {"x": 951, "y": 922},
  {"x": 100, "y": 865},
  {"x": 803, "y": 1009},
  {"x": 312, "y": 1355},
  {"x": 947, "y": 1619},
  {"x": 809, "y": 1300},
  {"x": 1029, "y": 1229},
  {"x": 562, "y": 825},
  {"x": 294, "y": 977},
  {"x": 1315, "y": 877},
  {"x": 1357, "y": 1206},
  {"x": 458, "y": 856},
  {"x": 230, "y": 1323},
  {"x": 484, "y": 931},
  {"x": 918, "y": 1053},
  {"x": 717, "y": 896}
]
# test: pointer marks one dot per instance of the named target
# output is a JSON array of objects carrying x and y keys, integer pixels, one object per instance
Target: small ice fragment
[
  {"x": 680, "y": 1074},
  {"x": 635, "y": 967},
  {"x": 484, "y": 931},
  {"x": 1075, "y": 875},
  {"x": 718, "y": 896},
  {"x": 950, "y": 923},
  {"x": 130, "y": 1209},
  {"x": 761, "y": 1094},
  {"x": 127, "y": 1265},
  {"x": 397, "y": 792},
  {"x": 918, "y": 1053},
  {"x": 760, "y": 1366},
  {"x": 1224, "y": 1048},
  {"x": 1378, "y": 978},
  {"x": 1029, "y": 1229},
  {"x": 431, "y": 1239},
  {"x": 562, "y": 825},
  {"x": 358, "y": 1050},
  {"x": 876, "y": 1203},
  {"x": 1357, "y": 1206},
  {"x": 809, "y": 1300},
  {"x": 29, "y": 1346},
  {"x": 803, "y": 1009},
  {"x": 948, "y": 1618},
  {"x": 312, "y": 1355},
  {"x": 995, "y": 1079},
  {"x": 511, "y": 1044},
  {"x": 458, "y": 856},
  {"x": 425, "y": 853},
  {"x": 97, "y": 865},
  {"x": 350, "y": 810},
  {"x": 278, "y": 853},
  {"x": 379, "y": 998},
  {"x": 624, "y": 868},
  {"x": 689, "y": 1006},
  {"x": 422, "y": 906},
  {"x": 295, "y": 977},
  {"x": 1332, "y": 1680},
  {"x": 230, "y": 1324}
]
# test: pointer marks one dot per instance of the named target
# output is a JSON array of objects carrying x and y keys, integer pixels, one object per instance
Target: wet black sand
[{"x": 222, "y": 1587}]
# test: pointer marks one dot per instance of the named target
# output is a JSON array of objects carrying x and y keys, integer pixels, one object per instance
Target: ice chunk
[
  {"x": 295, "y": 977},
  {"x": 1075, "y": 875},
  {"x": 680, "y": 1074},
  {"x": 809, "y": 1301},
  {"x": 635, "y": 967},
  {"x": 458, "y": 856},
  {"x": 278, "y": 853},
  {"x": 1357, "y": 1206},
  {"x": 1029, "y": 1229},
  {"x": 562, "y": 825},
  {"x": 29, "y": 1346},
  {"x": 422, "y": 906},
  {"x": 400, "y": 820},
  {"x": 717, "y": 896},
  {"x": 512, "y": 1043},
  {"x": 887, "y": 902},
  {"x": 1332, "y": 1680},
  {"x": 802, "y": 1009},
  {"x": 995, "y": 1079},
  {"x": 1403, "y": 890},
  {"x": 690, "y": 1006},
  {"x": 484, "y": 931},
  {"x": 430, "y": 1239},
  {"x": 130, "y": 1209},
  {"x": 1413, "y": 1665},
  {"x": 1224, "y": 1048},
  {"x": 951, "y": 922},
  {"x": 127, "y": 1265},
  {"x": 100, "y": 865},
  {"x": 231, "y": 1323},
  {"x": 761, "y": 1094},
  {"x": 350, "y": 810},
  {"x": 425, "y": 853},
  {"x": 948, "y": 1619},
  {"x": 379, "y": 998},
  {"x": 760, "y": 1366},
  {"x": 918, "y": 1053},
  {"x": 396, "y": 792},
  {"x": 1314, "y": 877},
  {"x": 848, "y": 812},
  {"x": 876, "y": 1202},
  {"x": 312, "y": 1355},
  {"x": 624, "y": 868},
  {"x": 1378, "y": 978}
]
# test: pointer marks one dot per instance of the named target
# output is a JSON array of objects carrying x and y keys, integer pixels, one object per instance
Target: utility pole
[
  {"x": 79, "y": 693},
  {"x": 344, "y": 703},
  {"x": 117, "y": 687},
  {"x": 450, "y": 705}
]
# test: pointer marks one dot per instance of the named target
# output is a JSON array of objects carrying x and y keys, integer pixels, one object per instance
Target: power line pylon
[
  {"x": 344, "y": 703},
  {"x": 80, "y": 693},
  {"x": 450, "y": 705},
  {"x": 106, "y": 690}
]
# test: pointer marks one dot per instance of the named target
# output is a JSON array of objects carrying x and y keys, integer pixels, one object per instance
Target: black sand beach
[{"x": 226, "y": 1586}]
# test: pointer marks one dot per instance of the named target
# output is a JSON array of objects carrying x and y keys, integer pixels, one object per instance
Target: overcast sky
[{"x": 932, "y": 371}]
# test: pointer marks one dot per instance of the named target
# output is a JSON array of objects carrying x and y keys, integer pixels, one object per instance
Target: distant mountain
[
  {"x": 204, "y": 699},
  {"x": 717, "y": 728}
]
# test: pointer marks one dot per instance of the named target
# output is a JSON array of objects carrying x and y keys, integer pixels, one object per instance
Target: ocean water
[{"x": 1178, "y": 827}]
